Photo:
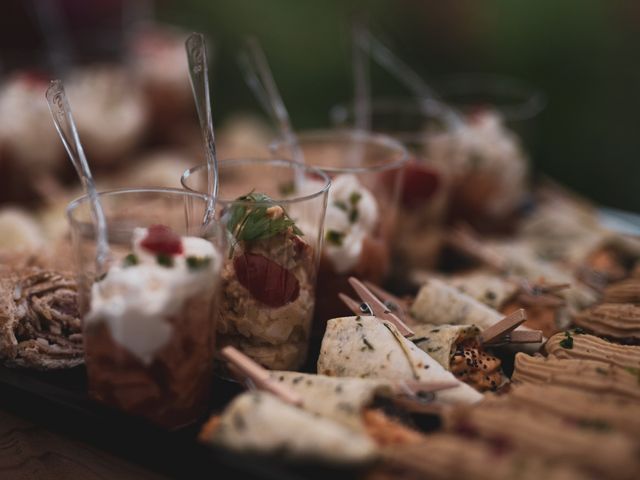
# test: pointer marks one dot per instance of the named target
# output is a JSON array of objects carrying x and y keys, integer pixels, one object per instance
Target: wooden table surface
[{"x": 29, "y": 451}]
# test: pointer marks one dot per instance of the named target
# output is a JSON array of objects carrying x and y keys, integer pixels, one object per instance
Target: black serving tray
[{"x": 58, "y": 401}]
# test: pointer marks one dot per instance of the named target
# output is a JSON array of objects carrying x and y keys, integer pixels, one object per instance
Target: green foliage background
[{"x": 583, "y": 53}]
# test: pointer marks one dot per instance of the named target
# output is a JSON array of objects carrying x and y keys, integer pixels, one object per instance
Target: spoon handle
[
  {"x": 260, "y": 79},
  {"x": 428, "y": 97},
  {"x": 199, "y": 76},
  {"x": 66, "y": 127}
]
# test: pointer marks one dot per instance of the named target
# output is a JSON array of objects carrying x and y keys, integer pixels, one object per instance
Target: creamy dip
[{"x": 136, "y": 299}]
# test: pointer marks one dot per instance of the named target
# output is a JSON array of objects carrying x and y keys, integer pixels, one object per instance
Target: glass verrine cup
[
  {"x": 149, "y": 316},
  {"x": 274, "y": 212},
  {"x": 366, "y": 173},
  {"x": 517, "y": 102},
  {"x": 423, "y": 130},
  {"x": 491, "y": 183}
]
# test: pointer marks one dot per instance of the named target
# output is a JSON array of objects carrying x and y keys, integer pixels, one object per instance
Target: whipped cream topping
[
  {"x": 351, "y": 215},
  {"x": 490, "y": 147},
  {"x": 25, "y": 123},
  {"x": 136, "y": 301},
  {"x": 109, "y": 109}
]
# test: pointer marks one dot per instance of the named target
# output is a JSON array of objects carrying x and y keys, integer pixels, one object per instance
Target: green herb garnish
[
  {"x": 353, "y": 215},
  {"x": 367, "y": 344},
  {"x": 164, "y": 260},
  {"x": 341, "y": 205},
  {"x": 567, "y": 342},
  {"x": 354, "y": 198},
  {"x": 197, "y": 263},
  {"x": 335, "y": 238},
  {"x": 251, "y": 223},
  {"x": 130, "y": 260}
]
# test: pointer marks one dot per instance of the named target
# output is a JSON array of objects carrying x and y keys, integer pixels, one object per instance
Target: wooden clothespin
[
  {"x": 505, "y": 331},
  {"x": 246, "y": 368},
  {"x": 372, "y": 305}
]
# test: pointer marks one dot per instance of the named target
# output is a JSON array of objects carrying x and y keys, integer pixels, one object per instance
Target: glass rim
[
  {"x": 378, "y": 139},
  {"x": 83, "y": 199},
  {"x": 278, "y": 161},
  {"x": 534, "y": 98}
]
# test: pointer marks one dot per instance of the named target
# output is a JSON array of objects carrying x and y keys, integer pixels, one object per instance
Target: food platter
[{"x": 404, "y": 297}]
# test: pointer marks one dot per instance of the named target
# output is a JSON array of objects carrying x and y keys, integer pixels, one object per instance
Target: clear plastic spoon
[
  {"x": 199, "y": 76},
  {"x": 66, "y": 127},
  {"x": 260, "y": 80},
  {"x": 429, "y": 99}
]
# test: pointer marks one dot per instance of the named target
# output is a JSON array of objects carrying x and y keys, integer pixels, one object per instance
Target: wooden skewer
[
  {"x": 504, "y": 326},
  {"x": 245, "y": 367},
  {"x": 397, "y": 305}
]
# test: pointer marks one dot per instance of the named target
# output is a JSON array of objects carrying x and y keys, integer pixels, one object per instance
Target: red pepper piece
[
  {"x": 161, "y": 239},
  {"x": 267, "y": 281},
  {"x": 420, "y": 184}
]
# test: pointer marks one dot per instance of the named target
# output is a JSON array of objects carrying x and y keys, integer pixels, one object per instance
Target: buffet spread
[{"x": 493, "y": 305}]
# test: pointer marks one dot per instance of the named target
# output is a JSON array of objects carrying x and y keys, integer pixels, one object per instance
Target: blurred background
[{"x": 582, "y": 53}]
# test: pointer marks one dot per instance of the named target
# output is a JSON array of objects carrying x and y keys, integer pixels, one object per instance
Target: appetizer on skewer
[
  {"x": 368, "y": 347},
  {"x": 336, "y": 415}
]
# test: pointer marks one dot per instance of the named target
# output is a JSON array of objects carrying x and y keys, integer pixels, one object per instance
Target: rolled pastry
[{"x": 368, "y": 347}]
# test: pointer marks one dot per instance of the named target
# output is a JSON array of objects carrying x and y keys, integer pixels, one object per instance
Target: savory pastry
[
  {"x": 506, "y": 296},
  {"x": 486, "y": 287},
  {"x": 268, "y": 289},
  {"x": 536, "y": 433},
  {"x": 586, "y": 375},
  {"x": 580, "y": 407},
  {"x": 571, "y": 344},
  {"x": 368, "y": 347},
  {"x": 110, "y": 112},
  {"x": 155, "y": 312},
  {"x": 335, "y": 423},
  {"x": 40, "y": 324},
  {"x": 521, "y": 260},
  {"x": 260, "y": 423},
  {"x": 448, "y": 456},
  {"x": 617, "y": 321},
  {"x": 626, "y": 291},
  {"x": 437, "y": 303},
  {"x": 568, "y": 230},
  {"x": 458, "y": 349}
]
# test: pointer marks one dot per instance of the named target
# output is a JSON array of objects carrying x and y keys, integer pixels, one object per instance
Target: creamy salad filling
[
  {"x": 268, "y": 284},
  {"x": 352, "y": 214},
  {"x": 136, "y": 298}
]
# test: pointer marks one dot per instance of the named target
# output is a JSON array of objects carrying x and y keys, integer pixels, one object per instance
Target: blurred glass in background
[{"x": 581, "y": 53}]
